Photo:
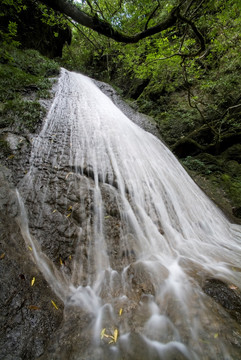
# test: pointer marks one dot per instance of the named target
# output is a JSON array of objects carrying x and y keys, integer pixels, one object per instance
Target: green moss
[
  {"x": 4, "y": 148},
  {"x": 31, "y": 62},
  {"x": 23, "y": 80},
  {"x": 21, "y": 114}
]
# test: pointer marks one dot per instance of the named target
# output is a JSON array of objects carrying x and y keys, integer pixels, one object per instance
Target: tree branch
[
  {"x": 196, "y": 32},
  {"x": 151, "y": 15},
  {"x": 103, "y": 27}
]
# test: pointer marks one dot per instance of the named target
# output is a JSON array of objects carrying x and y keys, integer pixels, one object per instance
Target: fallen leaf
[
  {"x": 109, "y": 336},
  {"x": 216, "y": 336},
  {"x": 70, "y": 207},
  {"x": 33, "y": 281},
  {"x": 120, "y": 311},
  {"x": 107, "y": 217},
  {"x": 102, "y": 334},
  {"x": 2, "y": 256},
  {"x": 29, "y": 247},
  {"x": 68, "y": 215},
  {"x": 34, "y": 307},
  {"x": 56, "y": 307},
  {"x": 110, "y": 342},
  {"x": 70, "y": 173},
  {"x": 61, "y": 262},
  {"x": 70, "y": 257},
  {"x": 115, "y": 335},
  {"x": 233, "y": 287},
  {"x": 11, "y": 157},
  {"x": 54, "y": 211}
]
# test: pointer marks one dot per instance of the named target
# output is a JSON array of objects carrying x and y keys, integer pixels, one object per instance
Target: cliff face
[{"x": 33, "y": 32}]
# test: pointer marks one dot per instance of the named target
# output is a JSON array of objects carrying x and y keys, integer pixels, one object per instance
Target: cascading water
[{"x": 124, "y": 237}]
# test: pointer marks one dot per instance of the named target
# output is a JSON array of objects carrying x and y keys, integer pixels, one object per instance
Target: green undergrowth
[
  {"x": 219, "y": 176},
  {"x": 24, "y": 79}
]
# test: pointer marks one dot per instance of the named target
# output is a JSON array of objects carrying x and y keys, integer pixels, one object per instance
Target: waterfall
[{"x": 124, "y": 236}]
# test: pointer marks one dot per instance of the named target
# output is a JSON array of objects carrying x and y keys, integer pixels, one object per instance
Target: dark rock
[
  {"x": 237, "y": 212},
  {"x": 28, "y": 319},
  {"x": 229, "y": 298},
  {"x": 233, "y": 153}
]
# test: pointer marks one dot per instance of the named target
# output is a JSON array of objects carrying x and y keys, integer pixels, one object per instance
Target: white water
[{"x": 177, "y": 236}]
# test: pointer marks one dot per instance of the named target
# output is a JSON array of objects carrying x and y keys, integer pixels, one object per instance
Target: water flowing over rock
[{"x": 130, "y": 249}]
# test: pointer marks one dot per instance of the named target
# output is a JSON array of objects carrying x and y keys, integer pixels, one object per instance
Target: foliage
[
  {"x": 8, "y": 38},
  {"x": 27, "y": 71},
  {"x": 21, "y": 114},
  {"x": 23, "y": 80},
  {"x": 220, "y": 174}
]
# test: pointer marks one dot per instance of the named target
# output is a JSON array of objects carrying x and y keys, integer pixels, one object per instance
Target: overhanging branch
[{"x": 103, "y": 27}]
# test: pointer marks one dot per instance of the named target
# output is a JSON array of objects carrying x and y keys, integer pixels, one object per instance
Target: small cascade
[{"x": 124, "y": 237}]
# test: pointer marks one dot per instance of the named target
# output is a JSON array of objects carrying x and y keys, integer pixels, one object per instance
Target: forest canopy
[{"x": 132, "y": 21}]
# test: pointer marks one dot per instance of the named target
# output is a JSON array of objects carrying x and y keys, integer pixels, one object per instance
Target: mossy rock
[
  {"x": 4, "y": 147},
  {"x": 233, "y": 153},
  {"x": 233, "y": 168},
  {"x": 21, "y": 114}
]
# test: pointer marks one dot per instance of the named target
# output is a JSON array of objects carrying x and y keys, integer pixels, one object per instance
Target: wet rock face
[
  {"x": 144, "y": 121},
  {"x": 28, "y": 318},
  {"x": 227, "y": 296}
]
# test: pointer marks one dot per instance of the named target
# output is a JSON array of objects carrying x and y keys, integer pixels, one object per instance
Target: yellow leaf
[
  {"x": 11, "y": 157},
  {"x": 120, "y": 311},
  {"x": 61, "y": 262},
  {"x": 102, "y": 334},
  {"x": 34, "y": 307},
  {"x": 115, "y": 335},
  {"x": 66, "y": 177},
  {"x": 216, "y": 336},
  {"x": 68, "y": 215},
  {"x": 56, "y": 307},
  {"x": 33, "y": 281},
  {"x": 109, "y": 336},
  {"x": 54, "y": 211},
  {"x": 107, "y": 217},
  {"x": 110, "y": 342},
  {"x": 2, "y": 256},
  {"x": 70, "y": 207},
  {"x": 70, "y": 257},
  {"x": 232, "y": 287},
  {"x": 29, "y": 247}
]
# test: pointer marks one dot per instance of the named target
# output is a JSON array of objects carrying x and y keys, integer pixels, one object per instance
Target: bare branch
[
  {"x": 82, "y": 33},
  {"x": 195, "y": 106},
  {"x": 196, "y": 32},
  {"x": 90, "y": 5},
  {"x": 151, "y": 15}
]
